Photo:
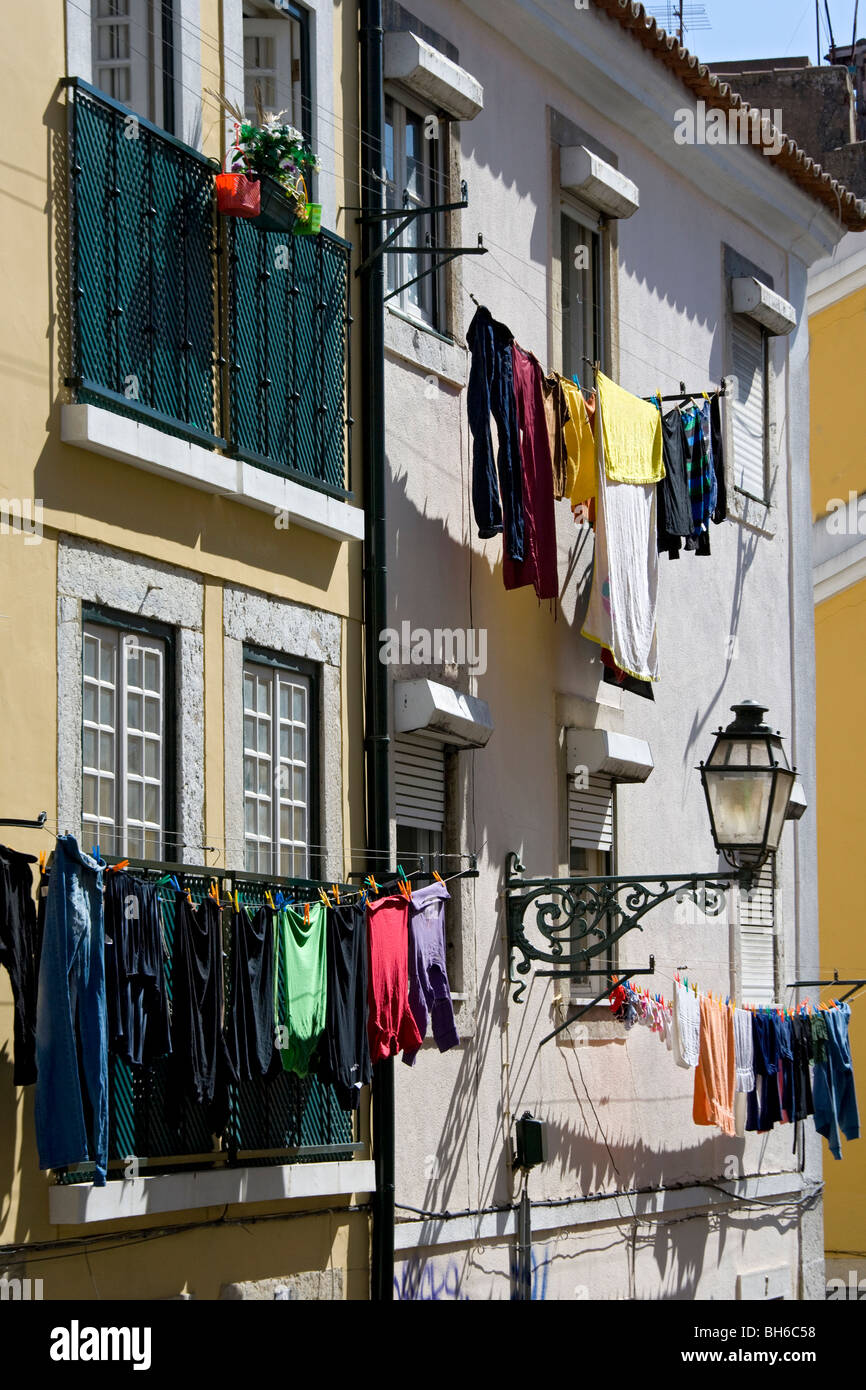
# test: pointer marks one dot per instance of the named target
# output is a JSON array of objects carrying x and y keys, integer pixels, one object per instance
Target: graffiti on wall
[{"x": 441, "y": 1281}]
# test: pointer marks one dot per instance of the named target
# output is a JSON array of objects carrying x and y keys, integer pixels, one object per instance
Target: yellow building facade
[
  {"x": 176, "y": 478},
  {"x": 837, "y": 323}
]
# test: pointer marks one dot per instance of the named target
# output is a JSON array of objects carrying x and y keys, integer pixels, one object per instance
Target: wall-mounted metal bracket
[
  {"x": 405, "y": 215},
  {"x": 577, "y": 919}
]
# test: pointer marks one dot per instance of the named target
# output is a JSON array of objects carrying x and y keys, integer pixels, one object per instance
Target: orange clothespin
[
  {"x": 42, "y": 861},
  {"x": 437, "y": 876},
  {"x": 306, "y": 914},
  {"x": 336, "y": 892}
]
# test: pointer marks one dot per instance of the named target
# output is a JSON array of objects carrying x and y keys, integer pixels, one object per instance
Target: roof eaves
[{"x": 704, "y": 85}]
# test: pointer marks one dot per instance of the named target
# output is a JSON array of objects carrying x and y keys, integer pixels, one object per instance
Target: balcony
[{"x": 232, "y": 340}]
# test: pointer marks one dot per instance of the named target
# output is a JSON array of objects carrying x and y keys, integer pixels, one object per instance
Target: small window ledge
[
  {"x": 425, "y": 349},
  {"x": 154, "y": 451},
  {"x": 78, "y": 1204}
]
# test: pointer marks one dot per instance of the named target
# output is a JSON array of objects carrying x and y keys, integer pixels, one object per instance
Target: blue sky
[{"x": 768, "y": 28}]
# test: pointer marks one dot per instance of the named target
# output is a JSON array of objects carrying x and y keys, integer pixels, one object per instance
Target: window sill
[
  {"x": 78, "y": 1204},
  {"x": 758, "y": 516},
  {"x": 142, "y": 446},
  {"x": 425, "y": 348}
]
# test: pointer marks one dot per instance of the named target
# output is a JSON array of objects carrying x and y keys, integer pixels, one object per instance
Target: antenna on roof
[{"x": 678, "y": 16}]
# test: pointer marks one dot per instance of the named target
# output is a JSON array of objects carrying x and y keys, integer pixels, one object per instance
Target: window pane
[
  {"x": 90, "y": 703},
  {"x": 299, "y": 744},
  {"x": 106, "y": 708},
  {"x": 91, "y": 793},
  {"x": 151, "y": 715},
  {"x": 106, "y": 798},
  {"x": 580, "y": 263},
  {"x": 106, "y": 752},
  {"x": 151, "y": 757},
  {"x": 133, "y": 711},
  {"x": 249, "y": 733},
  {"x": 299, "y": 704},
  {"x": 134, "y": 756},
  {"x": 89, "y": 750},
  {"x": 91, "y": 656},
  {"x": 134, "y": 800},
  {"x": 151, "y": 804},
  {"x": 264, "y": 737}
]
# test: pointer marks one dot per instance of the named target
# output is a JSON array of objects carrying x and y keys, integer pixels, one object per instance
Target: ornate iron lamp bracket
[{"x": 577, "y": 919}]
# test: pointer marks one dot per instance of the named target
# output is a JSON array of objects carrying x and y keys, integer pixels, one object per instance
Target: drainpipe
[{"x": 375, "y": 595}]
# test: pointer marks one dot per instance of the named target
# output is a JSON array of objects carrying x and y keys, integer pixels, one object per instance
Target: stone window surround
[
  {"x": 92, "y": 573},
  {"x": 291, "y": 630}
]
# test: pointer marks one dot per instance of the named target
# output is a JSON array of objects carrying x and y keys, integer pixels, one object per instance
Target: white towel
[
  {"x": 744, "y": 1050},
  {"x": 687, "y": 1029},
  {"x": 621, "y": 614}
]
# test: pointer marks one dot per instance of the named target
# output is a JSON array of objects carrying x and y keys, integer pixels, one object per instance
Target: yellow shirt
[
  {"x": 580, "y": 482},
  {"x": 632, "y": 435}
]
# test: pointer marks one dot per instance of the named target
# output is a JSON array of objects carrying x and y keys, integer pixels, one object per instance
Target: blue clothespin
[
  {"x": 576, "y": 379},
  {"x": 94, "y": 853}
]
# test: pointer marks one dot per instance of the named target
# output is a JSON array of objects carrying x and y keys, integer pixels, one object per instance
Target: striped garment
[{"x": 700, "y": 472}]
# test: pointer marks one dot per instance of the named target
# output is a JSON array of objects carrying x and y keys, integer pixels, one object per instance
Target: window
[
  {"x": 276, "y": 63},
  {"x": 413, "y": 172},
  {"x": 124, "y": 794},
  {"x": 750, "y": 360},
  {"x": 758, "y": 938},
  {"x": 581, "y": 290},
  {"x": 590, "y": 842},
  {"x": 419, "y": 798},
  {"x": 133, "y": 55},
  {"x": 278, "y": 769}
]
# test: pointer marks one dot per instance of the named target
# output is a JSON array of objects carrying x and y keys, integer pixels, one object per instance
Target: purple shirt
[{"x": 429, "y": 990}]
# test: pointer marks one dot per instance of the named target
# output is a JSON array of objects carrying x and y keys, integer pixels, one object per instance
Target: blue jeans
[
  {"x": 833, "y": 1084},
  {"x": 71, "y": 1033},
  {"x": 491, "y": 388}
]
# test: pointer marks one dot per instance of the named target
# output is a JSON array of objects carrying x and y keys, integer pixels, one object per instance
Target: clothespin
[
  {"x": 401, "y": 872},
  {"x": 336, "y": 891},
  {"x": 324, "y": 897},
  {"x": 437, "y": 876},
  {"x": 306, "y": 914},
  {"x": 237, "y": 901},
  {"x": 269, "y": 899},
  {"x": 42, "y": 861}
]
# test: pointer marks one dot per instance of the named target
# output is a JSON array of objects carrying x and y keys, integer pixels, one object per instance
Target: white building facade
[{"x": 604, "y": 237}]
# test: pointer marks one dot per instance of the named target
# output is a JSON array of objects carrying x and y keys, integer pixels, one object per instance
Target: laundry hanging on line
[
  {"x": 591, "y": 445},
  {"x": 302, "y": 994},
  {"x": 757, "y": 1067}
]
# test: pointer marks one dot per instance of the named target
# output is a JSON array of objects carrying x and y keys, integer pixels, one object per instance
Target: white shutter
[
  {"x": 758, "y": 939},
  {"x": 419, "y": 781},
  {"x": 590, "y": 813},
  {"x": 749, "y": 407}
]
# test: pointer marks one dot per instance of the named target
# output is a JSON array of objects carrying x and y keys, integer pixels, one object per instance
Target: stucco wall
[{"x": 731, "y": 626}]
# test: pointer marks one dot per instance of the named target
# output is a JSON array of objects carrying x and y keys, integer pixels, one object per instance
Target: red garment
[
  {"x": 538, "y": 567},
  {"x": 390, "y": 1025}
]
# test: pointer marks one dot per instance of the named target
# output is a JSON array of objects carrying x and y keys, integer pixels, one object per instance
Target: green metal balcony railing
[
  {"x": 289, "y": 1119},
  {"x": 202, "y": 326}
]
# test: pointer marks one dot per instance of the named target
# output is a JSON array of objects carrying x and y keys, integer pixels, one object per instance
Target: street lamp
[{"x": 748, "y": 784}]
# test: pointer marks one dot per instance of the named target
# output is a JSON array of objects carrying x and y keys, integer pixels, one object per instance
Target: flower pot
[
  {"x": 278, "y": 211},
  {"x": 238, "y": 195}
]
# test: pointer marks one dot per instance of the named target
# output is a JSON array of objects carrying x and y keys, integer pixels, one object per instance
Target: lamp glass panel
[
  {"x": 740, "y": 803},
  {"x": 781, "y": 798},
  {"x": 741, "y": 752}
]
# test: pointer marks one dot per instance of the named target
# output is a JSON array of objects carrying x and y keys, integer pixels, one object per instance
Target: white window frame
[
  {"x": 267, "y": 849},
  {"x": 423, "y": 301},
  {"x": 112, "y": 827},
  {"x": 746, "y": 323},
  {"x": 285, "y": 30},
  {"x": 599, "y": 863},
  {"x": 142, "y": 56},
  {"x": 591, "y": 222},
  {"x": 758, "y": 923}
]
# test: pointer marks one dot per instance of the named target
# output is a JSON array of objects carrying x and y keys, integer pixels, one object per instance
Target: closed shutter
[
  {"x": 590, "y": 813},
  {"x": 419, "y": 781},
  {"x": 750, "y": 407},
  {"x": 758, "y": 939}
]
